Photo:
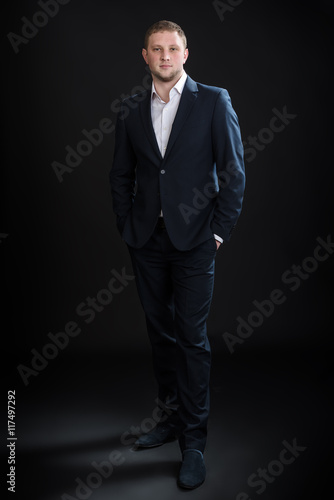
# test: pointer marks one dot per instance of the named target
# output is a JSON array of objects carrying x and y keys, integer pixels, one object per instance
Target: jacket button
[{"x": 162, "y": 171}]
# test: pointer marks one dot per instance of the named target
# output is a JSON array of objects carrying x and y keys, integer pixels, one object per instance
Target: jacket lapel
[
  {"x": 187, "y": 101},
  {"x": 145, "y": 109}
]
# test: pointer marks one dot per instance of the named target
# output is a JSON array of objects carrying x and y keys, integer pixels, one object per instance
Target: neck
[{"x": 163, "y": 88}]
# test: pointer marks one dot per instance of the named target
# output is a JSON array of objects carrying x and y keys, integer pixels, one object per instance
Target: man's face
[{"x": 165, "y": 55}]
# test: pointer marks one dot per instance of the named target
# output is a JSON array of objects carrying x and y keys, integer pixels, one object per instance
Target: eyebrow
[{"x": 172, "y": 45}]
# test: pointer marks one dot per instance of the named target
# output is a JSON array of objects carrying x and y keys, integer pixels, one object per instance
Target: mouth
[{"x": 165, "y": 66}]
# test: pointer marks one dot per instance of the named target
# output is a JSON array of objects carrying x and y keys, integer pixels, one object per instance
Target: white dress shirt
[{"x": 163, "y": 115}]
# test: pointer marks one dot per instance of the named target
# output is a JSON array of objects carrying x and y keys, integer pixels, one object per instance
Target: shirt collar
[{"x": 179, "y": 86}]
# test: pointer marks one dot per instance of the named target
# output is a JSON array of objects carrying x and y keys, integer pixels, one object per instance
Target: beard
[{"x": 169, "y": 78}]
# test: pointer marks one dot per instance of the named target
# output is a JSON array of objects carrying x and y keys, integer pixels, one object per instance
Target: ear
[
  {"x": 144, "y": 54},
  {"x": 186, "y": 55}
]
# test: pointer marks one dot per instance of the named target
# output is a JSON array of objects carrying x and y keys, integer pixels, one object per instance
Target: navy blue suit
[{"x": 199, "y": 186}]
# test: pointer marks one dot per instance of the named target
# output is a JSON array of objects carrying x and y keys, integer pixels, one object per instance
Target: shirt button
[{"x": 162, "y": 171}]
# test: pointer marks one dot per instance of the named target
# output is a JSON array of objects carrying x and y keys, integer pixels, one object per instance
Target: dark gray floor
[{"x": 78, "y": 411}]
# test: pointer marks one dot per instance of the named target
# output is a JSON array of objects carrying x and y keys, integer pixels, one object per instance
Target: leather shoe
[
  {"x": 192, "y": 472},
  {"x": 161, "y": 434}
]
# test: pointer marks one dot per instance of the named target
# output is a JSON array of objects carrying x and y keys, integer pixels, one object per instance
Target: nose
[{"x": 165, "y": 56}]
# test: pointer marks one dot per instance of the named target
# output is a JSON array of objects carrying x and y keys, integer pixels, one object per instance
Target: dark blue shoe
[
  {"x": 192, "y": 472},
  {"x": 161, "y": 434}
]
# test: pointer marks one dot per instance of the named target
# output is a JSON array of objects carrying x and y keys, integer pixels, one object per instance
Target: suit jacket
[{"x": 198, "y": 184}]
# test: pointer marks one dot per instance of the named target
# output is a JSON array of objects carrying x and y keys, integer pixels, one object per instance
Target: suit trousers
[{"x": 175, "y": 289}]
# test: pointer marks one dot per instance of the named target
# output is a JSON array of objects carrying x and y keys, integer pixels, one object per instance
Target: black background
[{"x": 59, "y": 244}]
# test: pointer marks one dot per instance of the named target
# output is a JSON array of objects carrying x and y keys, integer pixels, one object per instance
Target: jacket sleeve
[
  {"x": 123, "y": 172},
  {"x": 229, "y": 157}
]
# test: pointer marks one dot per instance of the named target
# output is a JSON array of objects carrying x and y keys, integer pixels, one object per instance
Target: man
[{"x": 177, "y": 183}]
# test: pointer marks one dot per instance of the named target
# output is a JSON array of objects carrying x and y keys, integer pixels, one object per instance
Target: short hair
[{"x": 164, "y": 26}]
